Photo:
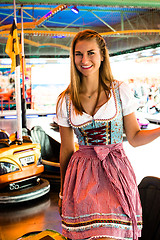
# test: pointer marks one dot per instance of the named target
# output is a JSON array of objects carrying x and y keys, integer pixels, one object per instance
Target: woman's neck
[{"x": 89, "y": 85}]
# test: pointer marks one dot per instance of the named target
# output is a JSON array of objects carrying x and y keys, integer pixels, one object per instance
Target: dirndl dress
[{"x": 100, "y": 194}]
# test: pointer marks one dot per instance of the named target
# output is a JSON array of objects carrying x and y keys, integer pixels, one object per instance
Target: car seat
[
  {"x": 4, "y": 139},
  {"x": 149, "y": 189}
]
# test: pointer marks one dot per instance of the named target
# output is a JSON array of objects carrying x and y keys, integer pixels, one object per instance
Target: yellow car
[{"x": 20, "y": 169}]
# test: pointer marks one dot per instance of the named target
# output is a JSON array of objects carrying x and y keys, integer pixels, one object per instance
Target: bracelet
[{"x": 60, "y": 196}]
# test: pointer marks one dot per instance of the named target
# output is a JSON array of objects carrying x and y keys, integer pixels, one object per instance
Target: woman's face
[{"x": 87, "y": 57}]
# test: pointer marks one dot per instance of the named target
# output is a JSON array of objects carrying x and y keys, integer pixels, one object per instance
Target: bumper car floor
[{"x": 18, "y": 219}]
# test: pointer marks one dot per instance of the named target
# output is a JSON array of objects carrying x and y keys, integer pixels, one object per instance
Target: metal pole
[
  {"x": 14, "y": 7},
  {"x": 18, "y": 92},
  {"x": 23, "y": 74}
]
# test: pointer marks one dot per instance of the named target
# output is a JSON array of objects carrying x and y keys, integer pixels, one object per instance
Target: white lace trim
[
  {"x": 104, "y": 236},
  {"x": 95, "y": 225},
  {"x": 96, "y": 214}
]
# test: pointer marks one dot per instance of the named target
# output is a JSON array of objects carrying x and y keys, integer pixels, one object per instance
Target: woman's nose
[{"x": 84, "y": 58}]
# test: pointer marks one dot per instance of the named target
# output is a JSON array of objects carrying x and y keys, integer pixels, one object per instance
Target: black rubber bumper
[{"x": 39, "y": 190}]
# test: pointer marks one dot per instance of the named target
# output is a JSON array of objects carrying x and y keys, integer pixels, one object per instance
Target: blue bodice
[{"x": 100, "y": 131}]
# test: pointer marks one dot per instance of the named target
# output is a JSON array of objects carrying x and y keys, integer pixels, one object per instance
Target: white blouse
[{"x": 106, "y": 111}]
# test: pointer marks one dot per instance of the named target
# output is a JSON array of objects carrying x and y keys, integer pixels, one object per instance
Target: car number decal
[{"x": 27, "y": 160}]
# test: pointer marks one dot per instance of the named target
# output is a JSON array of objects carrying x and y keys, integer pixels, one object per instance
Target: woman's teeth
[{"x": 87, "y": 66}]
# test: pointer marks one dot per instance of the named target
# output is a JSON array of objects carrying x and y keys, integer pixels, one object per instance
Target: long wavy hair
[{"x": 105, "y": 73}]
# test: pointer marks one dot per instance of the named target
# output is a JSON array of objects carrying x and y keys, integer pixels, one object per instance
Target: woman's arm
[
  {"x": 135, "y": 136},
  {"x": 66, "y": 150}
]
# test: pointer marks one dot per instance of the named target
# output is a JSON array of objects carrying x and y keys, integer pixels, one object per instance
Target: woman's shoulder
[
  {"x": 63, "y": 98},
  {"x": 116, "y": 83},
  {"x": 120, "y": 84}
]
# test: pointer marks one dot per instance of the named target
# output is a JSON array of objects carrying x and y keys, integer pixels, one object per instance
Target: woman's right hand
[{"x": 60, "y": 206}]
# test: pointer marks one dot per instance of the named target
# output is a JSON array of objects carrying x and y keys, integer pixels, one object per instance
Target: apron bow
[{"x": 103, "y": 152}]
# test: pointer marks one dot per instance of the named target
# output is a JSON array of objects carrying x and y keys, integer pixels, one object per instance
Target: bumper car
[
  {"x": 50, "y": 149},
  {"x": 47, "y": 234},
  {"x": 20, "y": 170}
]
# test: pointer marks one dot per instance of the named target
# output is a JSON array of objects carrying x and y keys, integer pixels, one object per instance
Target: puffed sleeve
[
  {"x": 61, "y": 117},
  {"x": 129, "y": 103}
]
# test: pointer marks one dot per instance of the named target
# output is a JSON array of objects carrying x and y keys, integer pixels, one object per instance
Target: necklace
[{"x": 92, "y": 94}]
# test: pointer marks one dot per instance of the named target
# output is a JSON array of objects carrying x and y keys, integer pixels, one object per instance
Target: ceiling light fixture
[{"x": 75, "y": 9}]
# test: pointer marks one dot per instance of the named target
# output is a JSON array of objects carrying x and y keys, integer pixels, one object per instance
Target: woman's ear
[{"x": 102, "y": 57}]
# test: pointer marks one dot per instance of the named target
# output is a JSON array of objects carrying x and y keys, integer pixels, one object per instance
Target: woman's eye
[
  {"x": 90, "y": 53},
  {"x": 78, "y": 54}
]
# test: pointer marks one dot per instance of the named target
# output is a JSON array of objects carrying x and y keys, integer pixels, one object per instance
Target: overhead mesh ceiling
[{"x": 122, "y": 28}]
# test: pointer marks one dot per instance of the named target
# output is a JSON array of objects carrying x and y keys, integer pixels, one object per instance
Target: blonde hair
[{"x": 105, "y": 73}]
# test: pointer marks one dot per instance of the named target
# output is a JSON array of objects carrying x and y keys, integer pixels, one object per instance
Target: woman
[{"x": 98, "y": 196}]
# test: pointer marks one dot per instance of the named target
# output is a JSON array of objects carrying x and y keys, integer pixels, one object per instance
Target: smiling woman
[
  {"x": 93, "y": 182},
  {"x": 99, "y": 197}
]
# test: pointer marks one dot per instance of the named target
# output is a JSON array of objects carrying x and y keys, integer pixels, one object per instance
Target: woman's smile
[{"x": 86, "y": 67}]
